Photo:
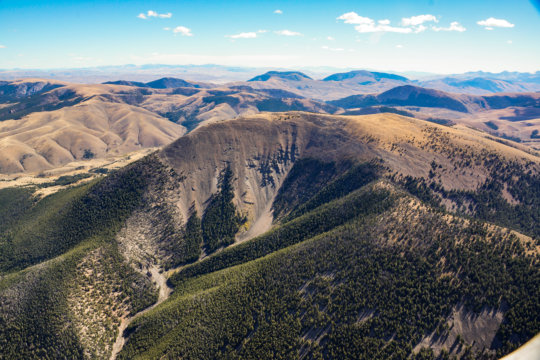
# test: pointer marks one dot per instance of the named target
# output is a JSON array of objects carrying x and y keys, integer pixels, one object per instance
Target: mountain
[
  {"x": 363, "y": 77},
  {"x": 163, "y": 83},
  {"x": 14, "y": 90},
  {"x": 56, "y": 124},
  {"x": 126, "y": 83},
  {"x": 483, "y": 83},
  {"x": 49, "y": 124},
  {"x": 63, "y": 123},
  {"x": 282, "y": 235},
  {"x": 92, "y": 129},
  {"x": 282, "y": 75},
  {"x": 360, "y": 82},
  {"x": 509, "y": 115},
  {"x": 478, "y": 85},
  {"x": 329, "y": 88},
  {"x": 505, "y": 75},
  {"x": 408, "y": 95},
  {"x": 168, "y": 83}
]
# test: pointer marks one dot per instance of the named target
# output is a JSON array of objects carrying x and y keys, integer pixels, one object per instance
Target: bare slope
[
  {"x": 93, "y": 129},
  {"x": 262, "y": 148},
  {"x": 514, "y": 116}
]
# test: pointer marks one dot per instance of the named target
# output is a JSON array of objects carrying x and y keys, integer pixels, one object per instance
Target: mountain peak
[
  {"x": 170, "y": 82},
  {"x": 283, "y": 75},
  {"x": 364, "y": 75}
]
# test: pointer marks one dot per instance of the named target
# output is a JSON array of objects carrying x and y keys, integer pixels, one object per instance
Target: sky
[{"x": 439, "y": 36}]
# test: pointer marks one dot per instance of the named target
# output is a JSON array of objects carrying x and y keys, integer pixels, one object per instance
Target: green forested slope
[
  {"x": 371, "y": 288},
  {"x": 361, "y": 261},
  {"x": 58, "y": 232}
]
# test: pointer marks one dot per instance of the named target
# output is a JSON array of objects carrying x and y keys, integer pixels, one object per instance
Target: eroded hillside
[{"x": 292, "y": 235}]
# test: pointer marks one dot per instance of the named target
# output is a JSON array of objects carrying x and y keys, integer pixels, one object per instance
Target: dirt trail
[{"x": 164, "y": 292}]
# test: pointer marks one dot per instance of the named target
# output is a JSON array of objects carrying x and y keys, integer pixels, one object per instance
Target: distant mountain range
[
  {"x": 365, "y": 82},
  {"x": 163, "y": 83},
  {"x": 53, "y": 111},
  {"x": 484, "y": 82},
  {"x": 409, "y": 95}
]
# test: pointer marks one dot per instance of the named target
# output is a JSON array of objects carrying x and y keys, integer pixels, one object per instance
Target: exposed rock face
[{"x": 260, "y": 151}]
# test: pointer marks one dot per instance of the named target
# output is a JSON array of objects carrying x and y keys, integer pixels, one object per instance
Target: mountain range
[
  {"x": 45, "y": 124},
  {"x": 280, "y": 235},
  {"x": 360, "y": 216}
]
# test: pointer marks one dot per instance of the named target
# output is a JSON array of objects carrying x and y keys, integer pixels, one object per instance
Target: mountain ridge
[{"x": 381, "y": 195}]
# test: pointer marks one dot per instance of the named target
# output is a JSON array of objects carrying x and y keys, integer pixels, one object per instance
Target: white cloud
[
  {"x": 399, "y": 46},
  {"x": 491, "y": 23},
  {"x": 454, "y": 26},
  {"x": 262, "y": 31},
  {"x": 411, "y": 25},
  {"x": 330, "y": 38},
  {"x": 367, "y": 25},
  {"x": 2, "y": 46},
  {"x": 152, "y": 13},
  {"x": 288, "y": 33},
  {"x": 278, "y": 12},
  {"x": 182, "y": 30},
  {"x": 354, "y": 18},
  {"x": 418, "y": 19},
  {"x": 370, "y": 28},
  {"x": 167, "y": 28},
  {"x": 509, "y": 42},
  {"x": 419, "y": 29},
  {"x": 244, "y": 35},
  {"x": 331, "y": 49}
]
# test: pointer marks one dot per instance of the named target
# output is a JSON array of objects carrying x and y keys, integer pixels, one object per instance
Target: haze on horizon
[{"x": 423, "y": 35}]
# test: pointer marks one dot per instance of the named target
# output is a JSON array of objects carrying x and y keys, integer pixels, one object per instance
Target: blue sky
[{"x": 447, "y": 36}]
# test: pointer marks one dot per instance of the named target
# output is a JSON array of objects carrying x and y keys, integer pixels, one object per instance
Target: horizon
[
  {"x": 417, "y": 36},
  {"x": 269, "y": 68},
  {"x": 98, "y": 74}
]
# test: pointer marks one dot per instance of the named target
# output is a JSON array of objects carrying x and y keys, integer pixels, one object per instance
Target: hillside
[
  {"x": 92, "y": 129},
  {"x": 14, "y": 90},
  {"x": 48, "y": 126},
  {"x": 513, "y": 116},
  {"x": 287, "y": 235}
]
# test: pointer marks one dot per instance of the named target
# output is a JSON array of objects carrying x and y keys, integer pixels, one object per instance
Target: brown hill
[
  {"x": 91, "y": 129},
  {"x": 512, "y": 116},
  {"x": 266, "y": 145}
]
